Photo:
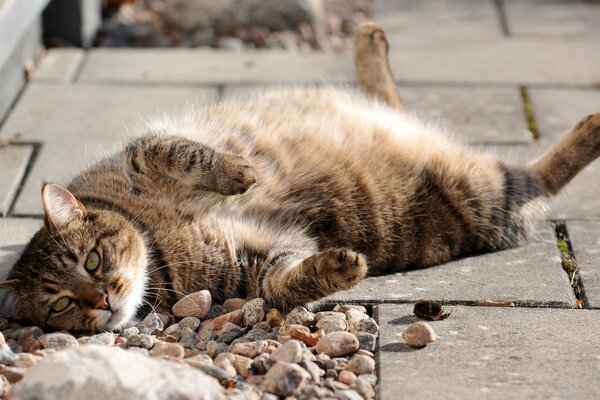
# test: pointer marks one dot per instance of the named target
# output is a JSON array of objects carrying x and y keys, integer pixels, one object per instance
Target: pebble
[
  {"x": 253, "y": 312},
  {"x": 291, "y": 352},
  {"x": 249, "y": 349},
  {"x": 200, "y": 359},
  {"x": 213, "y": 348},
  {"x": 192, "y": 323},
  {"x": 368, "y": 325},
  {"x": 242, "y": 365},
  {"x": 313, "y": 369},
  {"x": 235, "y": 317},
  {"x": 234, "y": 304},
  {"x": 207, "y": 330},
  {"x": 364, "y": 388},
  {"x": 322, "y": 314},
  {"x": 189, "y": 338},
  {"x": 347, "y": 377},
  {"x": 283, "y": 378},
  {"x": 129, "y": 332},
  {"x": 337, "y": 344},
  {"x": 173, "y": 330},
  {"x": 229, "y": 327},
  {"x": 274, "y": 318},
  {"x": 152, "y": 324},
  {"x": 106, "y": 339},
  {"x": 142, "y": 340},
  {"x": 286, "y": 330},
  {"x": 360, "y": 364},
  {"x": 418, "y": 334},
  {"x": 216, "y": 372},
  {"x": 193, "y": 305},
  {"x": 300, "y": 316},
  {"x": 228, "y": 337},
  {"x": 225, "y": 362},
  {"x": 57, "y": 340},
  {"x": 28, "y": 338},
  {"x": 332, "y": 324},
  {"x": 310, "y": 339},
  {"x": 216, "y": 311},
  {"x": 345, "y": 307},
  {"x": 366, "y": 341},
  {"x": 13, "y": 374},
  {"x": 169, "y": 350}
]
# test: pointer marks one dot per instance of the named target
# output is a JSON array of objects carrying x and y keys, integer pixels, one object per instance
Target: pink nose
[{"x": 102, "y": 304}]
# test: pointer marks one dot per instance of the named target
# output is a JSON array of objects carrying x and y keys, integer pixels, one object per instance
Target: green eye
[
  {"x": 60, "y": 304},
  {"x": 93, "y": 261}
]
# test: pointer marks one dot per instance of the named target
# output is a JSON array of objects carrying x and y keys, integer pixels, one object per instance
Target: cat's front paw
[
  {"x": 235, "y": 175},
  {"x": 336, "y": 269}
]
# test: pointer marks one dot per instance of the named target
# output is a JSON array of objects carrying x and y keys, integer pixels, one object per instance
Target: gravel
[{"x": 253, "y": 352}]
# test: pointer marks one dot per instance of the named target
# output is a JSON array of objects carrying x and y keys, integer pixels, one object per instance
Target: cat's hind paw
[{"x": 336, "y": 269}]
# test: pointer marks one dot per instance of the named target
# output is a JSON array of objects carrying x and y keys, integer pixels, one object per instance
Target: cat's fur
[{"x": 286, "y": 196}]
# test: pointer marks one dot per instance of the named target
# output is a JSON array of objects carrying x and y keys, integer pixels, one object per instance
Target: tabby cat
[{"x": 291, "y": 196}]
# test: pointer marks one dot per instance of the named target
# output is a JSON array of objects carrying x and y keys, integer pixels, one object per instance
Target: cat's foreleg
[
  {"x": 372, "y": 66},
  {"x": 194, "y": 164},
  {"x": 297, "y": 280}
]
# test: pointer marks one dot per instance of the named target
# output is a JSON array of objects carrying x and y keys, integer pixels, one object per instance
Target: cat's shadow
[{"x": 405, "y": 320}]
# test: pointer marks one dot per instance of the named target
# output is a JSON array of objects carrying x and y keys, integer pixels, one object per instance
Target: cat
[{"x": 290, "y": 196}]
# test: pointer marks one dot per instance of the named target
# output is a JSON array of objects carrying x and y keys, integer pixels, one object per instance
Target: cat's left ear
[
  {"x": 61, "y": 207},
  {"x": 9, "y": 300}
]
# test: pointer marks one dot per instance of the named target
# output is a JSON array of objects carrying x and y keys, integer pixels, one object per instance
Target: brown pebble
[
  {"x": 234, "y": 304},
  {"x": 121, "y": 340},
  {"x": 57, "y": 340},
  {"x": 360, "y": 364},
  {"x": 346, "y": 307},
  {"x": 347, "y": 377},
  {"x": 200, "y": 359},
  {"x": 322, "y": 314},
  {"x": 253, "y": 312},
  {"x": 170, "y": 350},
  {"x": 285, "y": 330},
  {"x": 13, "y": 374},
  {"x": 249, "y": 349},
  {"x": 310, "y": 339},
  {"x": 283, "y": 378},
  {"x": 418, "y": 334},
  {"x": 195, "y": 304},
  {"x": 242, "y": 365},
  {"x": 235, "y": 317},
  {"x": 337, "y": 344}
]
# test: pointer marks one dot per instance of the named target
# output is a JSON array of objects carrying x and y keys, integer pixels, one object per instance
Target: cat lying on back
[{"x": 291, "y": 196}]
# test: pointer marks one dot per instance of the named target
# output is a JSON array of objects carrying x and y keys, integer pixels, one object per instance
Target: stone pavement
[{"x": 511, "y": 76}]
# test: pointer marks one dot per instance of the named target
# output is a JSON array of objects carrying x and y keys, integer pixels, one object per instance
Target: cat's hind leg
[
  {"x": 300, "y": 281},
  {"x": 372, "y": 66}
]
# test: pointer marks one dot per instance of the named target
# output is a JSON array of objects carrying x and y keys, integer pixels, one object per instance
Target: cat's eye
[
  {"x": 93, "y": 261},
  {"x": 61, "y": 304}
]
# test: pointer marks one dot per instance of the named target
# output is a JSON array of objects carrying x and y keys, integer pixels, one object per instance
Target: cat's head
[{"x": 83, "y": 270}]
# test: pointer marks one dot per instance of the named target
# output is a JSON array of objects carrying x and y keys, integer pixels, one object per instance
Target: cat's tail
[
  {"x": 570, "y": 155},
  {"x": 372, "y": 67}
]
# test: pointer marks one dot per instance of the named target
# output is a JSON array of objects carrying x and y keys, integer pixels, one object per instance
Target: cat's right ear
[
  {"x": 9, "y": 300},
  {"x": 61, "y": 207}
]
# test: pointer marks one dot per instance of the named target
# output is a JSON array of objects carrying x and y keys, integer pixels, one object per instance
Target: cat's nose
[{"x": 102, "y": 303}]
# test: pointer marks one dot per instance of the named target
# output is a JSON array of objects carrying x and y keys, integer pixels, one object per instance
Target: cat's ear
[
  {"x": 61, "y": 206},
  {"x": 9, "y": 300}
]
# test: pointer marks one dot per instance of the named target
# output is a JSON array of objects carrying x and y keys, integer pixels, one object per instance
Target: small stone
[
  {"x": 346, "y": 307},
  {"x": 235, "y": 317},
  {"x": 291, "y": 352},
  {"x": 361, "y": 364},
  {"x": 152, "y": 324},
  {"x": 189, "y": 338},
  {"x": 418, "y": 334},
  {"x": 173, "y": 330},
  {"x": 169, "y": 350},
  {"x": 355, "y": 316},
  {"x": 347, "y": 377},
  {"x": 213, "y": 348},
  {"x": 260, "y": 365},
  {"x": 283, "y": 378},
  {"x": 106, "y": 339},
  {"x": 274, "y": 318},
  {"x": 364, "y": 389},
  {"x": 368, "y": 325},
  {"x": 200, "y": 359},
  {"x": 24, "y": 360},
  {"x": 364, "y": 352},
  {"x": 322, "y": 314},
  {"x": 57, "y": 340},
  {"x": 207, "y": 330},
  {"x": 242, "y": 365},
  {"x": 249, "y": 349},
  {"x": 310, "y": 339},
  {"x": 234, "y": 304},
  {"x": 190, "y": 322},
  {"x": 336, "y": 344},
  {"x": 222, "y": 376},
  {"x": 83, "y": 340},
  {"x": 300, "y": 316},
  {"x": 332, "y": 324},
  {"x": 253, "y": 312},
  {"x": 133, "y": 331},
  {"x": 369, "y": 379},
  {"x": 13, "y": 374},
  {"x": 225, "y": 362},
  {"x": 142, "y": 340},
  {"x": 286, "y": 330},
  {"x": 191, "y": 353},
  {"x": 193, "y": 305},
  {"x": 263, "y": 326},
  {"x": 229, "y": 327},
  {"x": 313, "y": 369},
  {"x": 331, "y": 373},
  {"x": 28, "y": 338},
  {"x": 228, "y": 337},
  {"x": 366, "y": 341},
  {"x": 256, "y": 334},
  {"x": 216, "y": 311}
]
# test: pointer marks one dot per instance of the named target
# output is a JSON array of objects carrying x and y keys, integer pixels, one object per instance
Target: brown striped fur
[{"x": 286, "y": 195}]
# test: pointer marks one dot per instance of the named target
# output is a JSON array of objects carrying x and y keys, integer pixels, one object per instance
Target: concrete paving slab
[
  {"x": 213, "y": 66},
  {"x": 489, "y": 62},
  {"x": 530, "y": 275},
  {"x": 553, "y": 19},
  {"x": 13, "y": 161},
  {"x": 492, "y": 353},
  {"x": 556, "y": 111},
  {"x": 77, "y": 124},
  {"x": 585, "y": 239},
  {"x": 59, "y": 65},
  {"x": 14, "y": 235},
  {"x": 429, "y": 23}
]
